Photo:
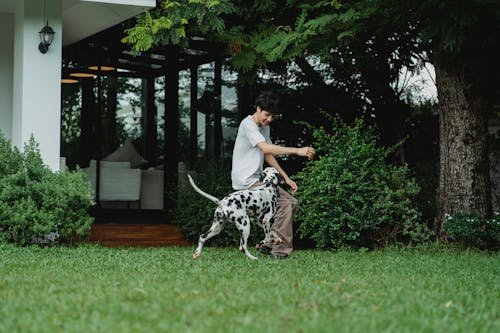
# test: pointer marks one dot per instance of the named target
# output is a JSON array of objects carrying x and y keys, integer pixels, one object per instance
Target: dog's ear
[
  {"x": 262, "y": 176},
  {"x": 281, "y": 179}
]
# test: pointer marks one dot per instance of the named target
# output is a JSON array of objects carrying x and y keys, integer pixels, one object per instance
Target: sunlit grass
[{"x": 97, "y": 289}]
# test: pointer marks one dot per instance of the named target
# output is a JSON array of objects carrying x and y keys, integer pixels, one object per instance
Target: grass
[{"x": 96, "y": 289}]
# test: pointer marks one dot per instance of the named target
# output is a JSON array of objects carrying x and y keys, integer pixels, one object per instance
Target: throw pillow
[{"x": 127, "y": 153}]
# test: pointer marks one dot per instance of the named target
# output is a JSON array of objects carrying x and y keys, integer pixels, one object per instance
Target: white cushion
[
  {"x": 111, "y": 164},
  {"x": 117, "y": 184},
  {"x": 127, "y": 152}
]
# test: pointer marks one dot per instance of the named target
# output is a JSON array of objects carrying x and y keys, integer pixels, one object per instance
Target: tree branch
[{"x": 314, "y": 77}]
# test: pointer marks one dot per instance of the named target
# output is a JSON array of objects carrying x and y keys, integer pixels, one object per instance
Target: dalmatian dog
[{"x": 241, "y": 207}]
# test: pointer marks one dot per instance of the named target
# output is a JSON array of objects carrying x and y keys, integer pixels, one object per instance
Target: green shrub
[
  {"x": 38, "y": 206},
  {"x": 471, "y": 229},
  {"x": 350, "y": 196},
  {"x": 194, "y": 213},
  {"x": 493, "y": 230},
  {"x": 10, "y": 157}
]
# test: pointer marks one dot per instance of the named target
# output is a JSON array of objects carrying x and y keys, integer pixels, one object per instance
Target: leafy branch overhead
[
  {"x": 255, "y": 32},
  {"x": 174, "y": 21}
]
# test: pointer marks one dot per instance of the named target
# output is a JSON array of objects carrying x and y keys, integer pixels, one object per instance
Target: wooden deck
[{"x": 121, "y": 234}]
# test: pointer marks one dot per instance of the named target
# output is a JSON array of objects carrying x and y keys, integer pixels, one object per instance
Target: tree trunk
[{"x": 464, "y": 179}]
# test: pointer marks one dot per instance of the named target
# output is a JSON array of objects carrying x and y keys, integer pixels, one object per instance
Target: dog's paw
[
  {"x": 196, "y": 255},
  {"x": 278, "y": 241}
]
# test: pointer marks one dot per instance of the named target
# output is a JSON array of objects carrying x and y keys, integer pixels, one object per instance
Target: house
[
  {"x": 88, "y": 32},
  {"x": 30, "y": 81}
]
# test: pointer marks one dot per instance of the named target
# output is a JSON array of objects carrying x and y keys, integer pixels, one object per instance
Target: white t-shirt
[{"x": 248, "y": 160}]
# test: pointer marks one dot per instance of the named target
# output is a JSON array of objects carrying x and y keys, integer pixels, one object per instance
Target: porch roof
[
  {"x": 83, "y": 18},
  {"x": 105, "y": 48}
]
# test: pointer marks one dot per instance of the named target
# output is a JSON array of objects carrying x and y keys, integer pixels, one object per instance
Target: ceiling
[{"x": 83, "y": 18}]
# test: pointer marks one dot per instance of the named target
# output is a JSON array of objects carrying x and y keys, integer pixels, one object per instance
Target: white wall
[
  {"x": 6, "y": 72},
  {"x": 30, "y": 88},
  {"x": 37, "y": 87}
]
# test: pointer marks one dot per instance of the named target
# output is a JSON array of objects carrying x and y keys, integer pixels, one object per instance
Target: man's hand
[
  {"x": 308, "y": 152},
  {"x": 292, "y": 185}
]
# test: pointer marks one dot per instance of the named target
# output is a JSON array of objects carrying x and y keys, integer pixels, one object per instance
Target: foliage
[
  {"x": 352, "y": 52},
  {"x": 170, "y": 22},
  {"x": 471, "y": 229},
  {"x": 458, "y": 32},
  {"x": 38, "y": 206},
  {"x": 421, "y": 149},
  {"x": 350, "y": 195},
  {"x": 194, "y": 212},
  {"x": 71, "y": 123},
  {"x": 72, "y": 148},
  {"x": 70, "y": 115},
  {"x": 10, "y": 157},
  {"x": 101, "y": 289}
]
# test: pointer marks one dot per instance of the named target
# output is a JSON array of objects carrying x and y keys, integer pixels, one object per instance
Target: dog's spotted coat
[{"x": 242, "y": 207}]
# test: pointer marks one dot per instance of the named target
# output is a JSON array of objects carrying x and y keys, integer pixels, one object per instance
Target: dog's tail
[{"x": 206, "y": 195}]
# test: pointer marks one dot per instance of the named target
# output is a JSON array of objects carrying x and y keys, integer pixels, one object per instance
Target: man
[{"x": 252, "y": 147}]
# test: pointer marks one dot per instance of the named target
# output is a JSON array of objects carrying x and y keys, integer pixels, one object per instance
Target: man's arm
[
  {"x": 271, "y": 161},
  {"x": 269, "y": 148}
]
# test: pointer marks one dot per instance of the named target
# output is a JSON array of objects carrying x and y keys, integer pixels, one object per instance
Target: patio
[{"x": 98, "y": 136}]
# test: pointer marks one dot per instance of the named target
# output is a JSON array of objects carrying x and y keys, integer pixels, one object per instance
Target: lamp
[
  {"x": 101, "y": 68},
  {"x": 82, "y": 74},
  {"x": 66, "y": 80},
  {"x": 46, "y": 37}
]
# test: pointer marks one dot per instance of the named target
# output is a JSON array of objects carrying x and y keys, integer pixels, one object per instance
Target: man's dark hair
[{"x": 268, "y": 101}]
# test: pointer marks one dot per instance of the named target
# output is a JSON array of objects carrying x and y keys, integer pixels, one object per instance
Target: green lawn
[{"x": 97, "y": 289}]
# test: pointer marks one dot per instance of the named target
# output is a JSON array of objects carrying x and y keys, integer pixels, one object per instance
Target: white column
[
  {"x": 37, "y": 86},
  {"x": 6, "y": 72}
]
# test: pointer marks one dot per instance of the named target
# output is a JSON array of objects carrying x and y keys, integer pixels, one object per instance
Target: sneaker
[{"x": 265, "y": 250}]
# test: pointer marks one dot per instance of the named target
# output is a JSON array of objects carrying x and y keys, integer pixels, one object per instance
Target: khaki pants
[{"x": 283, "y": 221}]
